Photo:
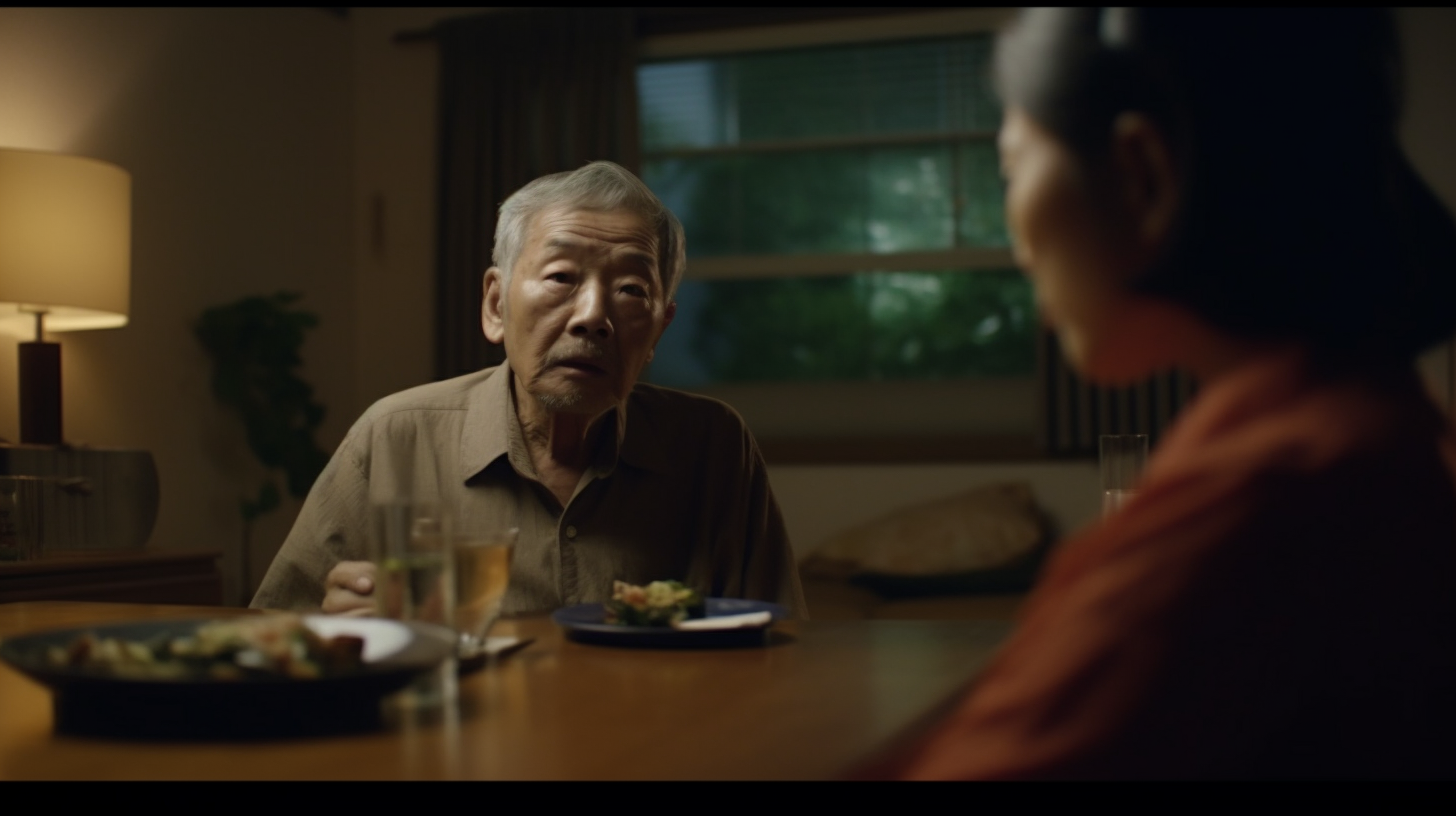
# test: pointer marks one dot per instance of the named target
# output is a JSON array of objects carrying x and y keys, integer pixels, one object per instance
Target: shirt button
[{"x": 570, "y": 531}]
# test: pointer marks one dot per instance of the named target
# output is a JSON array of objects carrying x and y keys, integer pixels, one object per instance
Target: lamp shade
[{"x": 65, "y": 242}]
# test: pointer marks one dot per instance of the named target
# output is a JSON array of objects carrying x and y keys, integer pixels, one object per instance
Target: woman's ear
[
  {"x": 493, "y": 306},
  {"x": 1148, "y": 177}
]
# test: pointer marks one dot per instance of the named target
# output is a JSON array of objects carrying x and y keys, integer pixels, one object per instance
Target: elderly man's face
[{"x": 584, "y": 310}]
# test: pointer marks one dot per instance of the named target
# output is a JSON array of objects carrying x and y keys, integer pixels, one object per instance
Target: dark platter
[{"x": 93, "y": 703}]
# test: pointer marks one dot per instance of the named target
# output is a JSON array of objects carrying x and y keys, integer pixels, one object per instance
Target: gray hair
[{"x": 598, "y": 186}]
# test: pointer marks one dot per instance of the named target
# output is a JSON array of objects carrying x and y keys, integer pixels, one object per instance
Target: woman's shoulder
[
  {"x": 1291, "y": 473},
  {"x": 1283, "y": 418}
]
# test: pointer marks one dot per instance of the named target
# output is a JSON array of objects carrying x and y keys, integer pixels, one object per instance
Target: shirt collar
[
  {"x": 490, "y": 419},
  {"x": 492, "y": 431}
]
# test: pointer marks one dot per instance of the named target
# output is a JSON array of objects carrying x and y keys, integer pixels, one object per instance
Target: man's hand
[{"x": 349, "y": 590}]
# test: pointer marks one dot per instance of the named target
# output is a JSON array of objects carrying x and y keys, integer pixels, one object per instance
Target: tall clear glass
[
  {"x": 1123, "y": 457},
  {"x": 409, "y": 545}
]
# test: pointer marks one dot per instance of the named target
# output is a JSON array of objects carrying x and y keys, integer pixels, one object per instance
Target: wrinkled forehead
[{"x": 619, "y": 234}]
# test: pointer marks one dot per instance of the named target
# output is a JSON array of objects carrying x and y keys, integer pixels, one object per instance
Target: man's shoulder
[
  {"x": 454, "y": 394},
  {"x": 420, "y": 406},
  {"x": 671, "y": 406},
  {"x": 672, "y": 430}
]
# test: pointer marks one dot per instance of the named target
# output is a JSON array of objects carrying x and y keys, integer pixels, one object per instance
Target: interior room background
[{"x": 295, "y": 149}]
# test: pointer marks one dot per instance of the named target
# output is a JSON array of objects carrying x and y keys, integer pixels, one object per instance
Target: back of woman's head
[{"x": 1301, "y": 217}]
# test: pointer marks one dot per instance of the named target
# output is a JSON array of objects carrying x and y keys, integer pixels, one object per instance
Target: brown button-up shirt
[{"x": 678, "y": 492}]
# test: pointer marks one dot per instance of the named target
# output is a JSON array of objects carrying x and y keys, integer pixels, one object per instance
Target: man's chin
[{"x": 574, "y": 400}]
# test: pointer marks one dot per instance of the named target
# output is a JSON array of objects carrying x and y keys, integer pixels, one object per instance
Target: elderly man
[{"x": 605, "y": 478}]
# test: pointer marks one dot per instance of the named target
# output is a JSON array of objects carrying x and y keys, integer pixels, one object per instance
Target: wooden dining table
[{"x": 818, "y": 700}]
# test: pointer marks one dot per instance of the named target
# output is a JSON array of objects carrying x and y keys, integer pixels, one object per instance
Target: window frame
[{"x": 978, "y": 438}]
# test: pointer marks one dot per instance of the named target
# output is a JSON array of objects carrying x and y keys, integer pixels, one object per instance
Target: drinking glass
[
  {"x": 482, "y": 573},
  {"x": 1122, "y": 458},
  {"x": 408, "y": 545},
  {"x": 415, "y": 581}
]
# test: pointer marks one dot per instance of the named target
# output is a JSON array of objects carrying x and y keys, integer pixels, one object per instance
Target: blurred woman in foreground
[{"x": 1222, "y": 191}]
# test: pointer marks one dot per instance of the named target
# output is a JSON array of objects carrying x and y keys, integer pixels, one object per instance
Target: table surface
[{"x": 823, "y": 697}]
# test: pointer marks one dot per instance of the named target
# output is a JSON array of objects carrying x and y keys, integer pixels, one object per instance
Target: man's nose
[{"x": 591, "y": 317}]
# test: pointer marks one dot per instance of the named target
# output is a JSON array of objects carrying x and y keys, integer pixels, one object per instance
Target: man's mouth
[{"x": 583, "y": 366}]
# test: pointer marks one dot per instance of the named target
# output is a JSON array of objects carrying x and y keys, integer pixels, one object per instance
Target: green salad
[
  {"x": 660, "y": 603},
  {"x": 270, "y": 645}
]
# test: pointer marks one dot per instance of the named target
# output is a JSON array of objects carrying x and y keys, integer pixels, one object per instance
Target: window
[
  {"x": 848, "y": 266},
  {"x": 850, "y": 289},
  {"x": 849, "y": 274}
]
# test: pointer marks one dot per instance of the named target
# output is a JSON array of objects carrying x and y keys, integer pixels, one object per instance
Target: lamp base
[{"x": 40, "y": 393}]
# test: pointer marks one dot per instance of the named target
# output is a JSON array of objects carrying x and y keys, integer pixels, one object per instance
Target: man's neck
[{"x": 559, "y": 443}]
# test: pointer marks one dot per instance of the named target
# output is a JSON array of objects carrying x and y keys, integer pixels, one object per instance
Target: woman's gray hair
[{"x": 600, "y": 186}]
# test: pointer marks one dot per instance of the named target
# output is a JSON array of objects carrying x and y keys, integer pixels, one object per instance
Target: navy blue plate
[{"x": 586, "y": 623}]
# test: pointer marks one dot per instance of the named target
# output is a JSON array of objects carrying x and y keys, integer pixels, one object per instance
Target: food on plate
[
  {"x": 660, "y": 603},
  {"x": 273, "y": 645}
]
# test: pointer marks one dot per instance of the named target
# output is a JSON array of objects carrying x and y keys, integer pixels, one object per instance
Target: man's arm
[
  {"x": 769, "y": 570},
  {"x": 318, "y": 565}
]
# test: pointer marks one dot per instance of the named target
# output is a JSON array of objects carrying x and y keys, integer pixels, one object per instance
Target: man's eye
[
  {"x": 635, "y": 290},
  {"x": 559, "y": 277}
]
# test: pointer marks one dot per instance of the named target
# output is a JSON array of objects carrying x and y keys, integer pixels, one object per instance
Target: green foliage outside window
[
  {"x": 875, "y": 200},
  {"x": 854, "y": 151},
  {"x": 865, "y": 326}
]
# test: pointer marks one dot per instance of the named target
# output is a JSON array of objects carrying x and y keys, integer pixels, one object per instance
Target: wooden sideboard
[{"x": 156, "y": 577}]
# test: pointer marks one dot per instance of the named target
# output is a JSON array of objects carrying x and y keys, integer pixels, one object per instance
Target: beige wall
[
  {"x": 819, "y": 500},
  {"x": 235, "y": 127},
  {"x": 394, "y": 198}
]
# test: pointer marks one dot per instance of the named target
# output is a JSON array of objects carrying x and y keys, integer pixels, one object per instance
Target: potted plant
[{"x": 254, "y": 347}]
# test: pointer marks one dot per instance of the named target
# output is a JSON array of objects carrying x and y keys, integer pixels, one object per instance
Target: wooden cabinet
[{"x": 156, "y": 577}]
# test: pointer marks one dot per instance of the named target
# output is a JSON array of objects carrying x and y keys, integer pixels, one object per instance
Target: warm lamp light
[{"x": 65, "y": 264}]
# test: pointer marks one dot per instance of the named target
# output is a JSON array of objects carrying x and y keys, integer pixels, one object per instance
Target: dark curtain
[
  {"x": 523, "y": 93},
  {"x": 1077, "y": 412}
]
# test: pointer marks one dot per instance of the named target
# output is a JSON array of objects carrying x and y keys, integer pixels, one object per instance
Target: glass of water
[
  {"x": 409, "y": 546},
  {"x": 1122, "y": 458}
]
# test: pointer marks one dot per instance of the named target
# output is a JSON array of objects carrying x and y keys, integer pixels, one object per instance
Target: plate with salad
[
  {"x": 261, "y": 676},
  {"x": 668, "y": 614}
]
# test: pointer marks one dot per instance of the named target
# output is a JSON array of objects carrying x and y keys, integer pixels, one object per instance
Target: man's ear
[
  {"x": 1148, "y": 179},
  {"x": 492, "y": 306},
  {"x": 667, "y": 316}
]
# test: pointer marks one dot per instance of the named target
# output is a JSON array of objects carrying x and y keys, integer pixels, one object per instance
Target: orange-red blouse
[{"x": 1279, "y": 600}]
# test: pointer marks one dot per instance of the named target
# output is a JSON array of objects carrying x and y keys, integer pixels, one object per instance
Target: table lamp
[{"x": 65, "y": 264}]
